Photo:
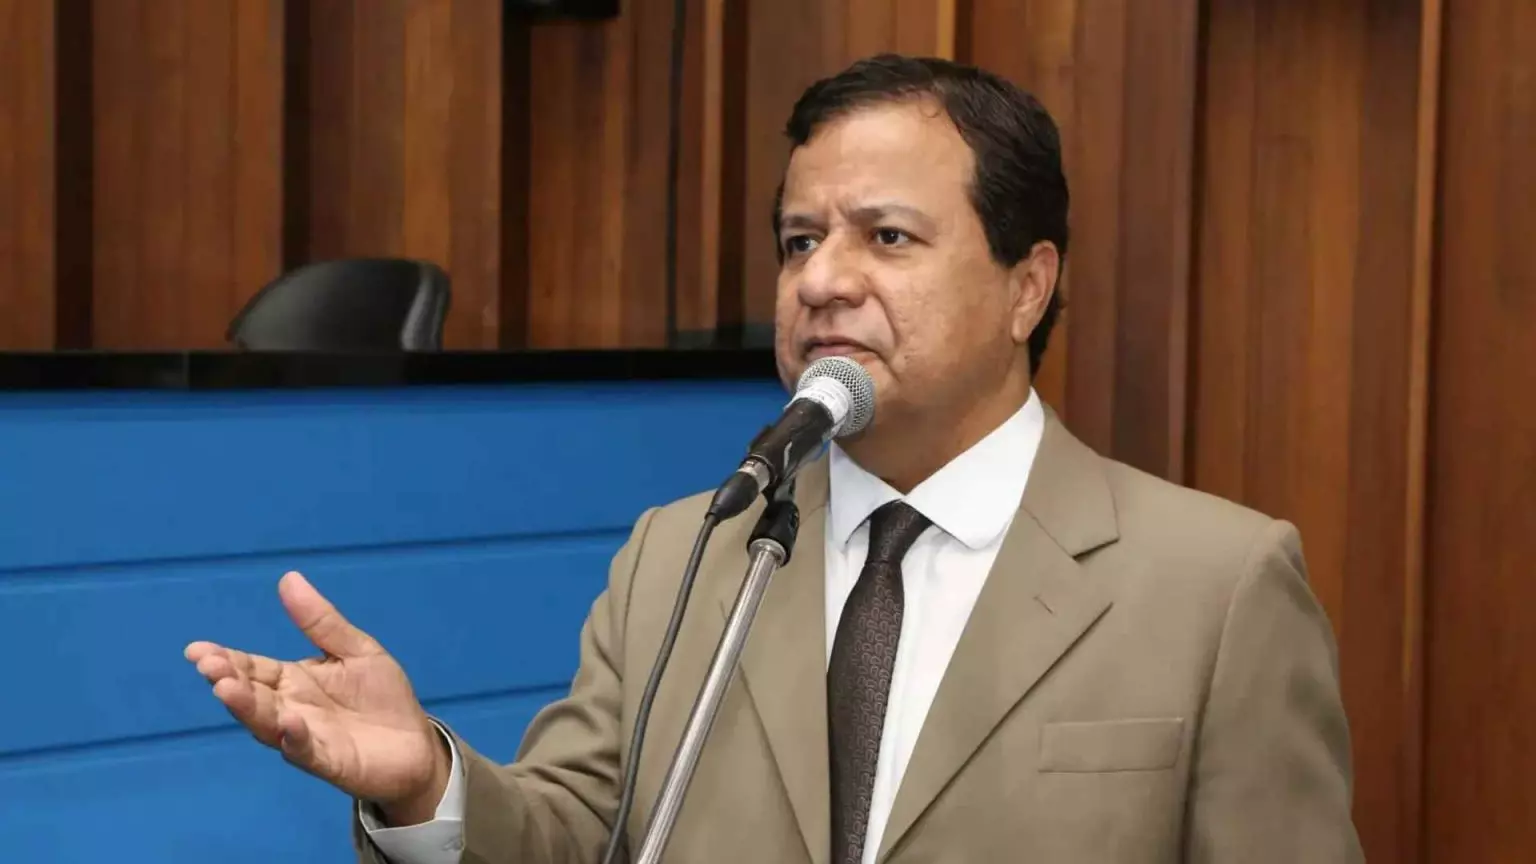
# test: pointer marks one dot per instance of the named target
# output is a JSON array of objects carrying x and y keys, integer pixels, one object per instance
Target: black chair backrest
[{"x": 353, "y": 304}]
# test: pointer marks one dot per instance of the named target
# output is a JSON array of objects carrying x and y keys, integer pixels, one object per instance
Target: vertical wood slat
[
  {"x": 159, "y": 185},
  {"x": 375, "y": 144},
  {"x": 735, "y": 172},
  {"x": 114, "y": 282},
  {"x": 357, "y": 75},
  {"x": 1410, "y": 834},
  {"x": 426, "y": 112},
  {"x": 259, "y": 157},
  {"x": 1156, "y": 207},
  {"x": 187, "y": 213},
  {"x": 205, "y": 174},
  {"x": 453, "y": 211},
  {"x": 1480, "y": 690},
  {"x": 405, "y": 102},
  {"x": 600, "y": 117},
  {"x": 566, "y": 91},
  {"x": 74, "y": 178},
  {"x": 1385, "y": 504},
  {"x": 701, "y": 173},
  {"x": 28, "y": 108}
]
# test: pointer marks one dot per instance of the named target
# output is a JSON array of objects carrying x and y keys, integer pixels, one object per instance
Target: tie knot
[{"x": 892, "y": 530}]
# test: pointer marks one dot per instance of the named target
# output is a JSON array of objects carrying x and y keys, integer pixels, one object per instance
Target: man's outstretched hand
[{"x": 348, "y": 717}]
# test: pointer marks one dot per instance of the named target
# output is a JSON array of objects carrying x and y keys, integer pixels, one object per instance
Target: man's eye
[
  {"x": 799, "y": 244},
  {"x": 891, "y": 237}
]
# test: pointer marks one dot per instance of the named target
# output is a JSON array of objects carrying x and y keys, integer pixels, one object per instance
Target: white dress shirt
[{"x": 971, "y": 503}]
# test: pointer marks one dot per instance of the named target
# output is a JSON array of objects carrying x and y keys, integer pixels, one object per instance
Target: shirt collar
[{"x": 973, "y": 498}]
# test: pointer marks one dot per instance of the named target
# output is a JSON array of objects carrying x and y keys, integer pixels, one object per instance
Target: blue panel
[
  {"x": 119, "y": 479},
  {"x": 211, "y": 797},
  {"x": 461, "y": 619},
  {"x": 469, "y": 529}
]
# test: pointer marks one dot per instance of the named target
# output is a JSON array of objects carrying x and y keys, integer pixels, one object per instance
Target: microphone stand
[{"x": 770, "y": 545}]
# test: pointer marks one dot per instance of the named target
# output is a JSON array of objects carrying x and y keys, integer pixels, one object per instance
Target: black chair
[{"x": 353, "y": 304}]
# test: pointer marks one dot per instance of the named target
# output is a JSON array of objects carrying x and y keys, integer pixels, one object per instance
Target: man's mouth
[{"x": 816, "y": 349}]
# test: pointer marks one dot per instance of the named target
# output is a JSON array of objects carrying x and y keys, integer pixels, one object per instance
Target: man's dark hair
[{"x": 1019, "y": 190}]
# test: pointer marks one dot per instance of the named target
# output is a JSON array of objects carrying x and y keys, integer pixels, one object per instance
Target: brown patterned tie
[{"x": 859, "y": 675}]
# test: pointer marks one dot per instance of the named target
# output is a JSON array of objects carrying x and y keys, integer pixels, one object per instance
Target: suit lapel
[
  {"x": 1035, "y": 605},
  {"x": 784, "y": 660}
]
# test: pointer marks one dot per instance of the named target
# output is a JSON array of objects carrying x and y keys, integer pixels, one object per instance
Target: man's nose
[{"x": 833, "y": 274}]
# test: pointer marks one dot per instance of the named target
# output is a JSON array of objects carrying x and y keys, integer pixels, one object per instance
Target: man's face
[{"x": 886, "y": 261}]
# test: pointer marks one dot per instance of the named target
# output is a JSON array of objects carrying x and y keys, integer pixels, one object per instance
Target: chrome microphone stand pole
[{"x": 770, "y": 545}]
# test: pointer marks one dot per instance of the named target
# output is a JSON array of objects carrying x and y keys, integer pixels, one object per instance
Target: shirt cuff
[{"x": 440, "y": 841}]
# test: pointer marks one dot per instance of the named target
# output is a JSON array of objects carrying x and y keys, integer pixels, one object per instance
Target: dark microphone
[{"x": 835, "y": 397}]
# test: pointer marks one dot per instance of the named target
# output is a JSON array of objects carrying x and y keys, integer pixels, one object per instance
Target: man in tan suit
[{"x": 991, "y": 644}]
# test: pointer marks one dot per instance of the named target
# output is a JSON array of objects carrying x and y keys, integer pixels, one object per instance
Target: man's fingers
[
  {"x": 196, "y": 651},
  {"x": 264, "y": 670},
  {"x": 253, "y": 705},
  {"x": 216, "y": 667},
  {"x": 320, "y": 621},
  {"x": 210, "y": 657}
]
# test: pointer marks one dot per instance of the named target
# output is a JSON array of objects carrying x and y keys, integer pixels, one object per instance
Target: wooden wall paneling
[
  {"x": 1306, "y": 334},
  {"x": 184, "y": 93},
  {"x": 427, "y": 133},
  {"x": 195, "y": 247},
  {"x": 461, "y": 48},
  {"x": 259, "y": 151},
  {"x": 1481, "y": 687},
  {"x": 1410, "y": 817},
  {"x": 73, "y": 173},
  {"x": 696, "y": 303},
  {"x": 516, "y": 169},
  {"x": 1157, "y": 171},
  {"x": 1379, "y": 627},
  {"x": 599, "y": 106},
  {"x": 161, "y": 101},
  {"x": 566, "y": 241},
  {"x": 356, "y": 113},
  {"x": 27, "y": 167},
  {"x": 733, "y": 241},
  {"x": 323, "y": 107},
  {"x": 115, "y": 280},
  {"x": 405, "y": 112},
  {"x": 646, "y": 316}
]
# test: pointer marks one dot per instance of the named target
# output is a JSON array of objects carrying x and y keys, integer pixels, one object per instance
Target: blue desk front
[{"x": 468, "y": 528}]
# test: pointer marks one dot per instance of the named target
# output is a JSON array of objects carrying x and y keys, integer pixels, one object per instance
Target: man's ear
[{"x": 1033, "y": 280}]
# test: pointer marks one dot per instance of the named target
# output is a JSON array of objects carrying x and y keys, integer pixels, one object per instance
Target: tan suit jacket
[{"x": 1145, "y": 678}]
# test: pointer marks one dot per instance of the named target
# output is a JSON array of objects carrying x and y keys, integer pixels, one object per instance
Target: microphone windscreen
[{"x": 855, "y": 379}]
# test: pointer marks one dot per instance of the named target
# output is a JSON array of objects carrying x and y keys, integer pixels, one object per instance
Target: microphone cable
[{"x": 616, "y": 834}]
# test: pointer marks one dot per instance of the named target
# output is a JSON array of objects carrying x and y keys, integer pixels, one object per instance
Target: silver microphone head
[{"x": 845, "y": 388}]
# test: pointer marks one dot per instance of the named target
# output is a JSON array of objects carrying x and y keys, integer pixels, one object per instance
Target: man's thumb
[{"x": 325, "y": 627}]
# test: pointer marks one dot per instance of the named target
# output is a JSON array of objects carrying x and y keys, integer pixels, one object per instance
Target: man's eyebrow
[
  {"x": 871, "y": 213},
  {"x": 866, "y": 214},
  {"x": 798, "y": 220}
]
